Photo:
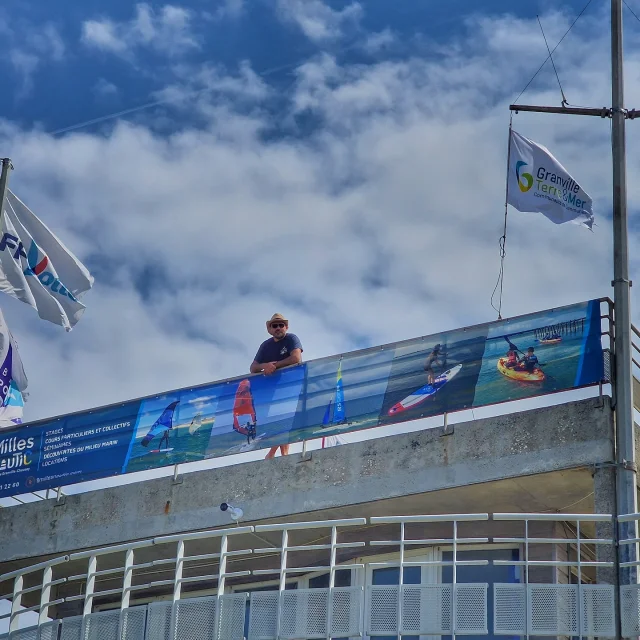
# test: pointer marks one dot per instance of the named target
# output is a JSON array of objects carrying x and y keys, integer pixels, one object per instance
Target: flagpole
[
  {"x": 623, "y": 393},
  {"x": 4, "y": 182}
]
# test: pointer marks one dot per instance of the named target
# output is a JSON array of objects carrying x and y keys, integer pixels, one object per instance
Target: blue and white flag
[
  {"x": 537, "y": 182},
  {"x": 12, "y": 409},
  {"x": 37, "y": 268},
  {"x": 13, "y": 379}
]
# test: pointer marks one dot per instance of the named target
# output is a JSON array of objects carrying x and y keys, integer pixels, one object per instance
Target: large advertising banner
[{"x": 511, "y": 359}]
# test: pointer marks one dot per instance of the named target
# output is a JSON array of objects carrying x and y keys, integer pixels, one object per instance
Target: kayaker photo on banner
[{"x": 546, "y": 353}]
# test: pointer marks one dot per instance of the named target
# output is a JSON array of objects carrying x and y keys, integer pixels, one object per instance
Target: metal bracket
[
  {"x": 446, "y": 429},
  {"x": 305, "y": 456},
  {"x": 177, "y": 479},
  {"x": 629, "y": 466},
  {"x": 623, "y": 280},
  {"x": 61, "y": 501}
]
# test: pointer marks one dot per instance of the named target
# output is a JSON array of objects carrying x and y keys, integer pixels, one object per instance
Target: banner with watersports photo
[{"x": 512, "y": 359}]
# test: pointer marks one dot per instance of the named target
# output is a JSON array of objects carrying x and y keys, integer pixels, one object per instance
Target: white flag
[
  {"x": 12, "y": 378},
  {"x": 538, "y": 182},
  {"x": 37, "y": 268}
]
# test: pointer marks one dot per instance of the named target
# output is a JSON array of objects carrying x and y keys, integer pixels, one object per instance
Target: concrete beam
[{"x": 568, "y": 436}]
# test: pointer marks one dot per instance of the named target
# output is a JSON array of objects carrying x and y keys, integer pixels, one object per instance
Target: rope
[
  {"x": 633, "y": 13},
  {"x": 502, "y": 242},
  {"x": 564, "y": 100},
  {"x": 553, "y": 50}
]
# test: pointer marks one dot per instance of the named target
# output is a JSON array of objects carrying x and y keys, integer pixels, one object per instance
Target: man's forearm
[
  {"x": 288, "y": 361},
  {"x": 256, "y": 367}
]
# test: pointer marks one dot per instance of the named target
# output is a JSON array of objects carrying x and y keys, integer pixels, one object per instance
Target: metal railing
[{"x": 327, "y": 579}]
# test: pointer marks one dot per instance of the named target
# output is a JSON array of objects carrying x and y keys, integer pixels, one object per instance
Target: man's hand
[{"x": 269, "y": 368}]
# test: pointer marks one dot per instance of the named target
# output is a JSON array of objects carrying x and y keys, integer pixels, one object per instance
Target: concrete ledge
[{"x": 567, "y": 436}]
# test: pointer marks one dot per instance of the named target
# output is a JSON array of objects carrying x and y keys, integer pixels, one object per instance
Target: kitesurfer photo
[
  {"x": 281, "y": 350},
  {"x": 432, "y": 358},
  {"x": 529, "y": 362}
]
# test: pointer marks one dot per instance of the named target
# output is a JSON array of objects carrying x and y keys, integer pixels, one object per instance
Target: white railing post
[
  {"x": 45, "y": 595},
  {"x": 224, "y": 547},
  {"x": 177, "y": 585},
  {"x": 332, "y": 579},
  {"x": 282, "y": 583},
  {"x": 401, "y": 576},
  {"x": 127, "y": 579},
  {"x": 526, "y": 577},
  {"x": 16, "y": 603},
  {"x": 454, "y": 578},
  {"x": 579, "y": 569},
  {"x": 91, "y": 585}
]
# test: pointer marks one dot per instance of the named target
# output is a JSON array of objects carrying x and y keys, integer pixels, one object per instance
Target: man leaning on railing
[{"x": 281, "y": 350}]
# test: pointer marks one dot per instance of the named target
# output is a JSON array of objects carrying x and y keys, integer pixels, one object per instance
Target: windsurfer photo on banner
[
  {"x": 173, "y": 428},
  {"x": 342, "y": 394},
  {"x": 256, "y": 412}
]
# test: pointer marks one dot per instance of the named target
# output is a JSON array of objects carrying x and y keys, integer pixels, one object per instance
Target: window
[
  {"x": 489, "y": 573},
  {"x": 391, "y": 576},
  {"x": 249, "y": 589}
]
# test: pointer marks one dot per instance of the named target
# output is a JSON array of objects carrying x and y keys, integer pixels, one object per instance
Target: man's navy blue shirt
[{"x": 272, "y": 351}]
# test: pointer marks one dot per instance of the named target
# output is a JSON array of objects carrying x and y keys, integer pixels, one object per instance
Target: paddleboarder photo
[
  {"x": 432, "y": 375},
  {"x": 433, "y": 358}
]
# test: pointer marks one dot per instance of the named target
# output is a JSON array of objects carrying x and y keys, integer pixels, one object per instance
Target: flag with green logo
[{"x": 537, "y": 182}]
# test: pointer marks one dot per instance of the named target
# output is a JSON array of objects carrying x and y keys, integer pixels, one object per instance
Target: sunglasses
[{"x": 278, "y": 325}]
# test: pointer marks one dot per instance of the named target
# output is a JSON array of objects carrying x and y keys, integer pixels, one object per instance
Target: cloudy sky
[{"x": 340, "y": 162}]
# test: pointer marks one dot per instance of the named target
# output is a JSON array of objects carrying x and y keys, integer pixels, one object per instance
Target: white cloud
[
  {"x": 231, "y": 9},
  {"x": 47, "y": 41},
  {"x": 29, "y": 47},
  {"x": 167, "y": 31},
  {"x": 105, "y": 89},
  {"x": 377, "y": 42},
  {"x": 383, "y": 225},
  {"x": 318, "y": 21}
]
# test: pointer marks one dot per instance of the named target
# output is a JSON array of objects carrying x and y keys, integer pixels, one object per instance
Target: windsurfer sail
[
  {"x": 162, "y": 425},
  {"x": 242, "y": 407},
  {"x": 339, "y": 413},
  {"x": 196, "y": 423}
]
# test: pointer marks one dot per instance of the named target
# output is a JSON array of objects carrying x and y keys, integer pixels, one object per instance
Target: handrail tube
[
  {"x": 312, "y": 524},
  {"x": 438, "y": 541},
  {"x": 627, "y": 517},
  {"x": 555, "y": 517},
  {"x": 213, "y": 576},
  {"x": 459, "y": 517},
  {"x": 149, "y": 585},
  {"x": 102, "y": 551},
  {"x": 198, "y": 535},
  {"x": 553, "y": 540},
  {"x": 433, "y": 563},
  {"x": 266, "y": 572},
  {"x": 34, "y": 567},
  {"x": 551, "y": 563}
]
